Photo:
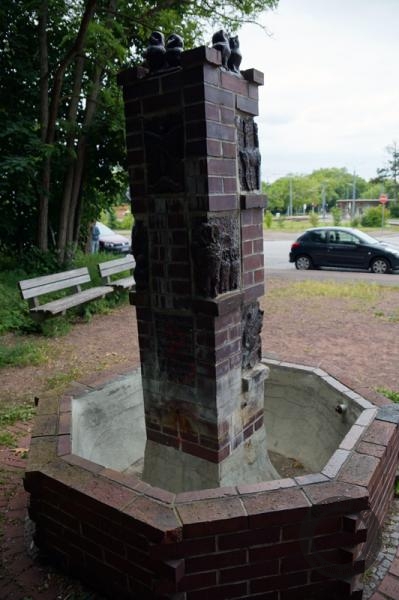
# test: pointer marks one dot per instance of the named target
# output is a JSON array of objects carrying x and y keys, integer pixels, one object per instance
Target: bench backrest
[
  {"x": 111, "y": 267},
  {"x": 37, "y": 286}
]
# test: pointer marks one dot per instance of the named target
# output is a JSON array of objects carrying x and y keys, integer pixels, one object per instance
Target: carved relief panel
[
  {"x": 252, "y": 319},
  {"x": 216, "y": 255},
  {"x": 248, "y": 153}
]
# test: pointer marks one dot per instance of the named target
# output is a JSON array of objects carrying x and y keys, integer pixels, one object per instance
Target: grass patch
[
  {"x": 7, "y": 439},
  {"x": 391, "y": 394},
  {"x": 9, "y": 415},
  {"x": 60, "y": 381},
  {"x": 359, "y": 291},
  {"x": 23, "y": 354}
]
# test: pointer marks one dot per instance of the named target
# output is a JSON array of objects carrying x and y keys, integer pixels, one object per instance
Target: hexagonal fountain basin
[
  {"x": 309, "y": 416},
  {"x": 299, "y": 536}
]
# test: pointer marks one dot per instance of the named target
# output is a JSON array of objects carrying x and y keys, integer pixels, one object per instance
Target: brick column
[{"x": 194, "y": 170}]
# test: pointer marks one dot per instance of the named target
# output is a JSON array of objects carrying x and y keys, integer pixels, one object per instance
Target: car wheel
[
  {"x": 303, "y": 263},
  {"x": 380, "y": 265}
]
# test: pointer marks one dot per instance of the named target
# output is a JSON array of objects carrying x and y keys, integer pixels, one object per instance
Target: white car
[{"x": 111, "y": 241}]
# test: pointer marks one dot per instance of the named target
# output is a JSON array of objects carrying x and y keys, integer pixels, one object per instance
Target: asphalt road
[{"x": 277, "y": 264}]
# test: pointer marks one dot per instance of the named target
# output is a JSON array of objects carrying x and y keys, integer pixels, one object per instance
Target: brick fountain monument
[
  {"x": 194, "y": 168},
  {"x": 207, "y": 515}
]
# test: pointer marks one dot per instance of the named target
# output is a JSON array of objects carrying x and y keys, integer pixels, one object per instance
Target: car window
[
  {"x": 104, "y": 230},
  {"x": 318, "y": 236},
  {"x": 343, "y": 237}
]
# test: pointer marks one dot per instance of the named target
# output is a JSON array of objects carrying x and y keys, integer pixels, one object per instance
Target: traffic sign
[{"x": 383, "y": 198}]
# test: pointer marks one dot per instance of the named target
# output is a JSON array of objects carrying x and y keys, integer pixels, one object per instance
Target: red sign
[{"x": 383, "y": 198}]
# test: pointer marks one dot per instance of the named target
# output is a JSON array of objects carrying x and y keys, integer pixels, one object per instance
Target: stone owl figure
[
  {"x": 220, "y": 41},
  {"x": 174, "y": 48},
  {"x": 235, "y": 57},
  {"x": 155, "y": 54}
]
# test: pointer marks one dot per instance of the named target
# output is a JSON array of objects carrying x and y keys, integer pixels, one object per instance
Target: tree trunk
[
  {"x": 42, "y": 224},
  {"x": 49, "y": 129},
  {"x": 71, "y": 164}
]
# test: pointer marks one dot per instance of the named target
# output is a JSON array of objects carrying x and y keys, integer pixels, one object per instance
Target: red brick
[
  {"x": 360, "y": 469},
  {"x": 371, "y": 449},
  {"x": 379, "y": 432},
  {"x": 212, "y": 516},
  {"x": 390, "y": 587},
  {"x": 280, "y": 506},
  {"x": 246, "y": 539},
  {"x": 253, "y": 262},
  {"x": 155, "y": 519},
  {"x": 185, "y": 548},
  {"x": 394, "y": 568},
  {"x": 336, "y": 497}
]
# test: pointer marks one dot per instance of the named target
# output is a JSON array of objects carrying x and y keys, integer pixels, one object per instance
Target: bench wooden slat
[
  {"x": 56, "y": 307},
  {"x": 32, "y": 289},
  {"x": 113, "y": 267},
  {"x": 37, "y": 286},
  {"x": 124, "y": 283}
]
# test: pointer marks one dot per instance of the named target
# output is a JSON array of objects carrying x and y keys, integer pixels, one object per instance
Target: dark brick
[
  {"x": 248, "y": 572},
  {"x": 216, "y": 561},
  {"x": 247, "y": 105},
  {"x": 234, "y": 83}
]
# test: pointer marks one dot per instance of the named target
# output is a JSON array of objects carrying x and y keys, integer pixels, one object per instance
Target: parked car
[
  {"x": 111, "y": 241},
  {"x": 343, "y": 247}
]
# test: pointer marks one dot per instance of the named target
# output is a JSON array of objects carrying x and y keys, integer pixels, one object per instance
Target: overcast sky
[{"x": 331, "y": 93}]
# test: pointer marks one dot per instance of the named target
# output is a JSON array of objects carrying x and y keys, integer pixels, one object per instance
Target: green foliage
[
  {"x": 23, "y": 354},
  {"x": 112, "y": 220},
  {"x": 126, "y": 223},
  {"x": 391, "y": 394},
  {"x": 336, "y": 216},
  {"x": 7, "y": 439},
  {"x": 355, "y": 222},
  {"x": 117, "y": 34},
  {"x": 309, "y": 190},
  {"x": 268, "y": 219},
  {"x": 314, "y": 219},
  {"x": 373, "y": 217},
  {"x": 394, "y": 210},
  {"x": 9, "y": 415},
  {"x": 14, "y": 312}
]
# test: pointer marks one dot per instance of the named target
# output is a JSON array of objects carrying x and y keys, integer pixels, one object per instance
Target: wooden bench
[
  {"x": 32, "y": 289},
  {"x": 115, "y": 267}
]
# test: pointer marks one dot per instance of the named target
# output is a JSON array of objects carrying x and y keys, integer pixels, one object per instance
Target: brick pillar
[{"x": 194, "y": 170}]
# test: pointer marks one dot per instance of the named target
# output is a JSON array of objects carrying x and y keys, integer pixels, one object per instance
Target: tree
[
  {"x": 389, "y": 175},
  {"x": 328, "y": 185},
  {"x": 62, "y": 145}
]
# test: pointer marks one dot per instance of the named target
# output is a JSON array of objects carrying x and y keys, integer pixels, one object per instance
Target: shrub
[
  {"x": 336, "y": 216},
  {"x": 268, "y": 219},
  {"x": 373, "y": 217},
  {"x": 394, "y": 209},
  {"x": 314, "y": 219},
  {"x": 355, "y": 222}
]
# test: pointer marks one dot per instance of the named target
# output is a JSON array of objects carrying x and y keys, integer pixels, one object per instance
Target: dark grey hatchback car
[{"x": 343, "y": 247}]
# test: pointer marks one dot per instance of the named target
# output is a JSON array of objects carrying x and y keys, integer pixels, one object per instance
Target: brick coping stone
[{"x": 359, "y": 476}]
